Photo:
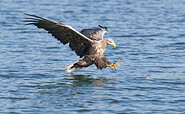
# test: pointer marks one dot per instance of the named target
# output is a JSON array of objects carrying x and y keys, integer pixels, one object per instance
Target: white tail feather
[{"x": 70, "y": 69}]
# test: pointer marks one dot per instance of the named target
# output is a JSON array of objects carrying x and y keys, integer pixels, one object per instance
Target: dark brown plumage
[
  {"x": 88, "y": 44},
  {"x": 95, "y": 34}
]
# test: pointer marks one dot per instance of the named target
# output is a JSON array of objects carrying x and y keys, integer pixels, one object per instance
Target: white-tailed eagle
[{"x": 88, "y": 43}]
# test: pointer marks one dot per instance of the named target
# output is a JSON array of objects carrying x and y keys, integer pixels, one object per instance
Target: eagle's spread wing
[
  {"x": 94, "y": 34},
  {"x": 64, "y": 33}
]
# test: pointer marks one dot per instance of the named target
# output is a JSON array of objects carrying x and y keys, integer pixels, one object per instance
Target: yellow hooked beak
[{"x": 113, "y": 44}]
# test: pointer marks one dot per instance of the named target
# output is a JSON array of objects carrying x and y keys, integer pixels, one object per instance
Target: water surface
[{"x": 150, "y": 41}]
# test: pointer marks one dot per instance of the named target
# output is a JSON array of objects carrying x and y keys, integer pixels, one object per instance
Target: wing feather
[
  {"x": 64, "y": 33},
  {"x": 94, "y": 34}
]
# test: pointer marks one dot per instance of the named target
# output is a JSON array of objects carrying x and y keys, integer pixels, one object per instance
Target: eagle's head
[{"x": 109, "y": 41}]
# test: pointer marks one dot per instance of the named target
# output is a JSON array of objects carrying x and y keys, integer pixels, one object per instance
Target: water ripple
[{"x": 150, "y": 43}]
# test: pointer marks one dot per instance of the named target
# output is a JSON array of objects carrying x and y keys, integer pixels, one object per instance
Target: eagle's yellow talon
[
  {"x": 111, "y": 66},
  {"x": 118, "y": 64},
  {"x": 114, "y": 64}
]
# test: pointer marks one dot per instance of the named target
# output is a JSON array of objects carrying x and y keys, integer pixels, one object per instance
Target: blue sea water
[{"x": 150, "y": 38}]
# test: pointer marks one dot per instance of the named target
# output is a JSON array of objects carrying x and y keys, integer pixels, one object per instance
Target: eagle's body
[{"x": 88, "y": 43}]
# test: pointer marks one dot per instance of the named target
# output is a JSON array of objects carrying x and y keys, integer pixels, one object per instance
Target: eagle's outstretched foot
[
  {"x": 114, "y": 65},
  {"x": 111, "y": 66}
]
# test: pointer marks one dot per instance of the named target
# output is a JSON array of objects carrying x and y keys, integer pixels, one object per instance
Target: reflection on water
[
  {"x": 71, "y": 90},
  {"x": 87, "y": 79}
]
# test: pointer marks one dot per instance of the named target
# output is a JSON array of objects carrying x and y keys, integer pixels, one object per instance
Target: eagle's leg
[{"x": 78, "y": 65}]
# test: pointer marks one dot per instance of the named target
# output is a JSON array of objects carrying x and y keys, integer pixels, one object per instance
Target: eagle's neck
[{"x": 102, "y": 46}]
